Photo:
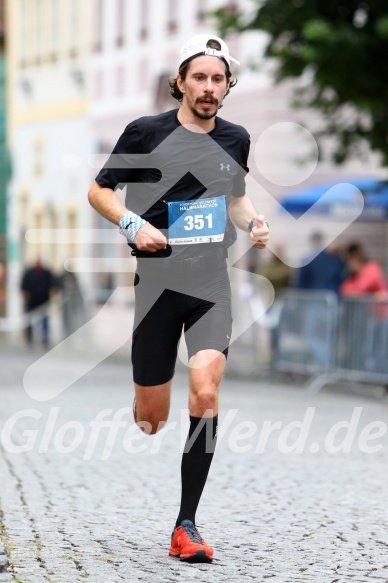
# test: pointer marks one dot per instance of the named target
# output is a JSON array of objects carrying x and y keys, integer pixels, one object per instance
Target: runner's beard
[{"x": 205, "y": 114}]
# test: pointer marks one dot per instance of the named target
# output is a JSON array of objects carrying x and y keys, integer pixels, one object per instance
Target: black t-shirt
[
  {"x": 37, "y": 283},
  {"x": 181, "y": 165}
]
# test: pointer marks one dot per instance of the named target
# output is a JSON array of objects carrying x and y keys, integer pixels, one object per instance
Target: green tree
[{"x": 341, "y": 47}]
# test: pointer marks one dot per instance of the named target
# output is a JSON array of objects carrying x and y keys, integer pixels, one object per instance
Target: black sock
[{"x": 196, "y": 460}]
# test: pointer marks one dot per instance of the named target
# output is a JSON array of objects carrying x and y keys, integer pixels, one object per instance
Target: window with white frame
[
  {"x": 24, "y": 32},
  {"x": 75, "y": 26},
  {"x": 98, "y": 85},
  {"x": 39, "y": 30},
  {"x": 201, "y": 11},
  {"x": 144, "y": 14},
  {"x": 172, "y": 22},
  {"x": 120, "y": 81},
  {"x": 98, "y": 24},
  {"x": 55, "y": 28},
  {"x": 121, "y": 22}
]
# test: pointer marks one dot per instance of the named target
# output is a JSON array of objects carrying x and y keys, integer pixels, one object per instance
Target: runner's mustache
[{"x": 207, "y": 97}]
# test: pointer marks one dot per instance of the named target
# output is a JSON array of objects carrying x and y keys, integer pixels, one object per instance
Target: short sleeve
[
  {"x": 239, "y": 186},
  {"x": 114, "y": 172}
]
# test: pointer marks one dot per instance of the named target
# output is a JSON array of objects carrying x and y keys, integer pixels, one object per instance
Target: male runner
[{"x": 180, "y": 238}]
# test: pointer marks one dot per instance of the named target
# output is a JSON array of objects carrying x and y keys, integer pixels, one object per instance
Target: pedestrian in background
[
  {"x": 36, "y": 285},
  {"x": 73, "y": 306},
  {"x": 277, "y": 272},
  {"x": 280, "y": 276},
  {"x": 366, "y": 276},
  {"x": 323, "y": 269},
  {"x": 364, "y": 319}
]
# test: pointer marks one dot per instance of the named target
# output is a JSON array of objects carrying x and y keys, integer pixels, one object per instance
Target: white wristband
[{"x": 129, "y": 225}]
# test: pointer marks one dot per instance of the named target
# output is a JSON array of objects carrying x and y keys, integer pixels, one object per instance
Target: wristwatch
[{"x": 250, "y": 226}]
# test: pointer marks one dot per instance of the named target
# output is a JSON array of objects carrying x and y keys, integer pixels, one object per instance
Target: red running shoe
[{"x": 188, "y": 545}]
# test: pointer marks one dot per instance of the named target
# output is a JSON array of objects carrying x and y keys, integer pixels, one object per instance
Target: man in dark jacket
[
  {"x": 325, "y": 271},
  {"x": 37, "y": 283}
]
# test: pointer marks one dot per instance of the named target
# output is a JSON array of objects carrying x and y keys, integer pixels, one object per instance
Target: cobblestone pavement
[{"x": 89, "y": 507}]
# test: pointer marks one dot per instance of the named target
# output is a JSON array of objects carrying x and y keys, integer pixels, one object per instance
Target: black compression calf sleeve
[{"x": 196, "y": 460}]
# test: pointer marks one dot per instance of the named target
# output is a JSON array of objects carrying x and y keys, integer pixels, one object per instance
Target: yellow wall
[
  {"x": 66, "y": 52},
  {"x": 45, "y": 60}
]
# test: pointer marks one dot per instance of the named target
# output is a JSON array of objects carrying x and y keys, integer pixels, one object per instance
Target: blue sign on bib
[{"x": 197, "y": 221}]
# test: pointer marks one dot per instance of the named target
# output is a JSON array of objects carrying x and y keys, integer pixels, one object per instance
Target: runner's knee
[
  {"x": 205, "y": 398},
  {"x": 151, "y": 425}
]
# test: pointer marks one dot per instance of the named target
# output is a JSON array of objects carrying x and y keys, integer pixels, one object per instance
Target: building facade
[
  {"x": 136, "y": 47},
  {"x": 49, "y": 132},
  {"x": 4, "y": 163},
  {"x": 78, "y": 73}
]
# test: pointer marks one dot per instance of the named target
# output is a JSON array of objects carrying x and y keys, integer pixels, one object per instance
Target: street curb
[
  {"x": 6, "y": 575},
  {"x": 4, "y": 564}
]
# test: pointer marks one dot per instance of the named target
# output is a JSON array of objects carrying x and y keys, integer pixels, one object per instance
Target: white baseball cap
[{"x": 197, "y": 46}]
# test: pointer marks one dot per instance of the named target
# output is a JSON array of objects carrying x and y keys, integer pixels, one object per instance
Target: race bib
[{"x": 197, "y": 221}]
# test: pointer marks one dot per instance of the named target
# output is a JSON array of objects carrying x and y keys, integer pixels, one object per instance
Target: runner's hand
[
  {"x": 259, "y": 235},
  {"x": 148, "y": 238}
]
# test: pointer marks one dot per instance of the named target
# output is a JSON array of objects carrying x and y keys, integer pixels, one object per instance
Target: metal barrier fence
[
  {"x": 306, "y": 332},
  {"x": 333, "y": 340},
  {"x": 362, "y": 342}
]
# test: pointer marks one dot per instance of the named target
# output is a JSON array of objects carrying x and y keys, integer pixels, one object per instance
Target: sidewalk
[{"x": 99, "y": 506}]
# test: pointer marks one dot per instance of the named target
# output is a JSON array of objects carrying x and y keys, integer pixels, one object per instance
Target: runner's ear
[{"x": 180, "y": 83}]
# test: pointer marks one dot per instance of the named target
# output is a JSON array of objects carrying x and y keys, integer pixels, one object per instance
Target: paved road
[{"x": 89, "y": 507}]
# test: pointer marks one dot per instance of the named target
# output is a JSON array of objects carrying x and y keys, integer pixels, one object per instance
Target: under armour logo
[{"x": 226, "y": 166}]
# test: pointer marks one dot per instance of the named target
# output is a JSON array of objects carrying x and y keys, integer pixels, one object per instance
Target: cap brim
[{"x": 202, "y": 54}]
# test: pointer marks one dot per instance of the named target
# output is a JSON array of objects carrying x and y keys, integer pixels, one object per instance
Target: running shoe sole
[{"x": 199, "y": 557}]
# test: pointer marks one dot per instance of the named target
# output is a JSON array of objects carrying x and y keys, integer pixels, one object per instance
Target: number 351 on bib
[{"x": 197, "y": 221}]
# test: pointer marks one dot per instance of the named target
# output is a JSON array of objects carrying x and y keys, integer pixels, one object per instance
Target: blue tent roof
[{"x": 375, "y": 194}]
